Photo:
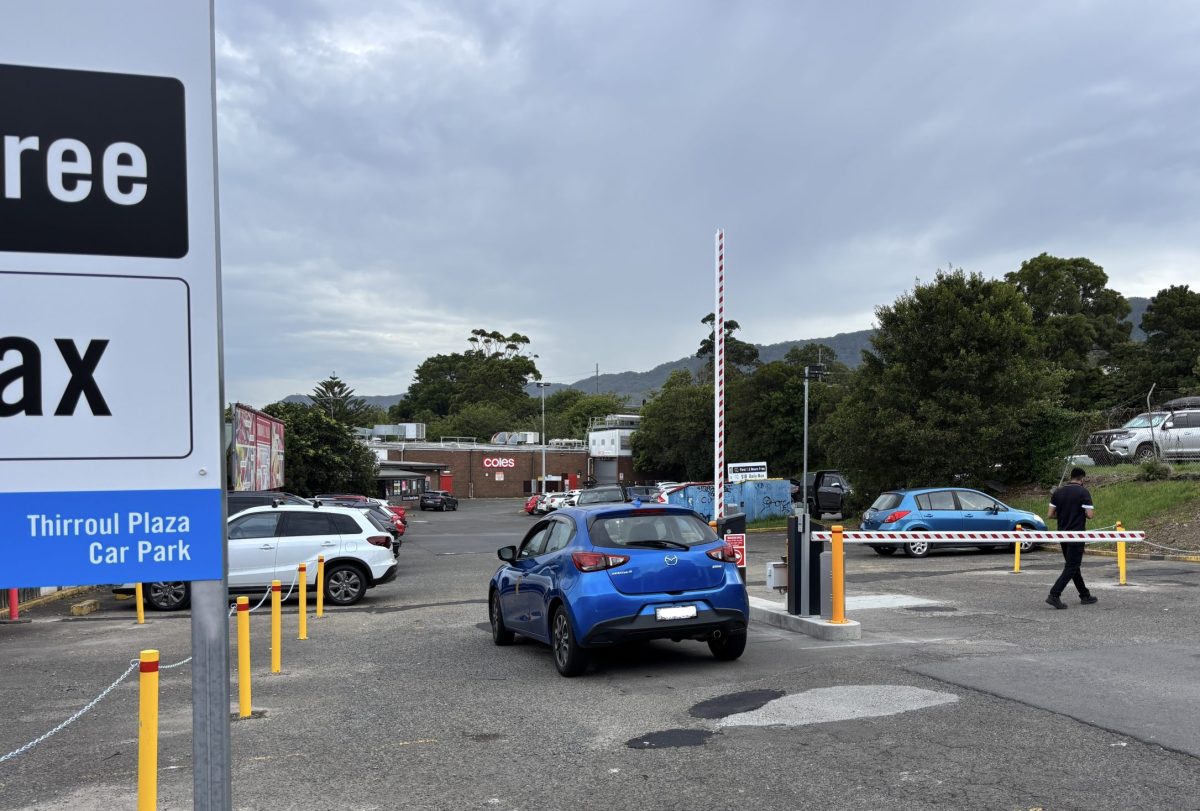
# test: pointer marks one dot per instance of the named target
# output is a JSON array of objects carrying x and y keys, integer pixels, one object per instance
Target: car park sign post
[
  {"x": 111, "y": 463},
  {"x": 110, "y": 445}
]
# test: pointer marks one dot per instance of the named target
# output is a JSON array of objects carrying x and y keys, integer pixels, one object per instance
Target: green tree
[
  {"x": 955, "y": 390},
  {"x": 740, "y": 357},
  {"x": 335, "y": 398},
  {"x": 1077, "y": 319},
  {"x": 766, "y": 411},
  {"x": 321, "y": 454},
  {"x": 494, "y": 370},
  {"x": 1172, "y": 327},
  {"x": 674, "y": 439},
  {"x": 480, "y": 420},
  {"x": 570, "y": 411}
]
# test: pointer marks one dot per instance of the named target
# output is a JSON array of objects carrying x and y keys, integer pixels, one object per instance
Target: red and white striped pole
[{"x": 719, "y": 384}]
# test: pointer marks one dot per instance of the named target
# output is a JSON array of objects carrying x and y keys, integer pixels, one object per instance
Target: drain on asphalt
[
  {"x": 731, "y": 703},
  {"x": 670, "y": 739}
]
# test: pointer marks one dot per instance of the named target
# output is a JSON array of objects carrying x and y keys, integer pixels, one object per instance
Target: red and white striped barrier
[{"x": 1102, "y": 536}]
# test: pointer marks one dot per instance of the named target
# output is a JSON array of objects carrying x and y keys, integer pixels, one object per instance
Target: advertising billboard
[{"x": 257, "y": 462}]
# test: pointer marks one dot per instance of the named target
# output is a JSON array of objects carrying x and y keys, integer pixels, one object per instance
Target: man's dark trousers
[{"x": 1073, "y": 554}]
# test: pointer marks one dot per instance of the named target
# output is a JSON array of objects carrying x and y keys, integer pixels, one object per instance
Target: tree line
[
  {"x": 971, "y": 380},
  {"x": 968, "y": 379}
]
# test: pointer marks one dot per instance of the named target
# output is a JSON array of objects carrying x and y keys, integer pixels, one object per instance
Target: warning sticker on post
[{"x": 738, "y": 542}]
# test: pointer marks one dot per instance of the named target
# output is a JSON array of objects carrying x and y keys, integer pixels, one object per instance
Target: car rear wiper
[{"x": 660, "y": 544}]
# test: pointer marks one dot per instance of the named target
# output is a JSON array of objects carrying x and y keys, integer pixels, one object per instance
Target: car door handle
[
  {"x": 267, "y": 546},
  {"x": 328, "y": 543}
]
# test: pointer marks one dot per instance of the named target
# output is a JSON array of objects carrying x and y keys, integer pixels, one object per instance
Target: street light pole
[
  {"x": 542, "y": 389},
  {"x": 816, "y": 371}
]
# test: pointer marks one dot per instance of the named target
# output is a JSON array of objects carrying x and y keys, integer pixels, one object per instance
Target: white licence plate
[{"x": 675, "y": 612}]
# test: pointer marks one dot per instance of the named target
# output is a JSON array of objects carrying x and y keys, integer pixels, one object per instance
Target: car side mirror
[
  {"x": 838, "y": 485},
  {"x": 507, "y": 553},
  {"x": 1167, "y": 425}
]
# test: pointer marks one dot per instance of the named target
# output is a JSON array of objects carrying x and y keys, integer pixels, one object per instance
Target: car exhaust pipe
[{"x": 717, "y": 634}]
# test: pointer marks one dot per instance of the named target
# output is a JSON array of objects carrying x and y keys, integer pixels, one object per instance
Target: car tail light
[
  {"x": 895, "y": 516},
  {"x": 723, "y": 553},
  {"x": 597, "y": 562},
  {"x": 381, "y": 540}
]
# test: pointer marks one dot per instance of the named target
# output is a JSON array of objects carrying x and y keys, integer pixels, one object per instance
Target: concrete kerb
[
  {"x": 53, "y": 597},
  {"x": 1107, "y": 553},
  {"x": 774, "y": 614}
]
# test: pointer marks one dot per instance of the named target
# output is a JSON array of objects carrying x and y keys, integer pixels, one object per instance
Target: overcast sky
[{"x": 395, "y": 174}]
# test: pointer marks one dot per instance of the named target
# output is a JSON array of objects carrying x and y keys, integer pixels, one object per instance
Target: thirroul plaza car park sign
[{"x": 110, "y": 400}]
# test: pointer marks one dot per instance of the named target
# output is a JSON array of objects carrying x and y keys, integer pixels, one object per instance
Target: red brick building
[{"x": 473, "y": 470}]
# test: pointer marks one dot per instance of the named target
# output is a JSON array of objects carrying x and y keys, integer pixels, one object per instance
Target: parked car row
[{"x": 542, "y": 503}]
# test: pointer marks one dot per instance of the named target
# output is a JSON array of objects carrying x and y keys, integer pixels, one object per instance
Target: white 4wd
[{"x": 269, "y": 543}]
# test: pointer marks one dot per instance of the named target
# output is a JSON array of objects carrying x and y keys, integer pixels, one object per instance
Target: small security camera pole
[{"x": 817, "y": 371}]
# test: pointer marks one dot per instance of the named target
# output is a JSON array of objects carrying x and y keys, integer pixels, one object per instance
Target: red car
[
  {"x": 536, "y": 505},
  {"x": 399, "y": 512}
]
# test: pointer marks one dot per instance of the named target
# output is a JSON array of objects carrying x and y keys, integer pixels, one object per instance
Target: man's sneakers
[
  {"x": 1088, "y": 600},
  {"x": 1057, "y": 602}
]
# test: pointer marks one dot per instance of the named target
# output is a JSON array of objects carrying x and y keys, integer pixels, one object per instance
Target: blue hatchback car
[
  {"x": 944, "y": 509},
  {"x": 592, "y": 577}
]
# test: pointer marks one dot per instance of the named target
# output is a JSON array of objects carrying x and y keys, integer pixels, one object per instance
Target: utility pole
[{"x": 597, "y": 378}]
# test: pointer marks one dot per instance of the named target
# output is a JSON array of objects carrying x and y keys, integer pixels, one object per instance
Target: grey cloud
[{"x": 396, "y": 174}]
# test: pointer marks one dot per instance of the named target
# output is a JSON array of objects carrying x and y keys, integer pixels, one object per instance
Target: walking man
[{"x": 1071, "y": 504}]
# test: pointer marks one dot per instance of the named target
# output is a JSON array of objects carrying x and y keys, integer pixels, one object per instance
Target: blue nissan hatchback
[
  {"x": 592, "y": 577},
  {"x": 944, "y": 509}
]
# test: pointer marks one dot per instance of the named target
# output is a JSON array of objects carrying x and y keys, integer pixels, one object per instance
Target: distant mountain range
[{"x": 637, "y": 386}]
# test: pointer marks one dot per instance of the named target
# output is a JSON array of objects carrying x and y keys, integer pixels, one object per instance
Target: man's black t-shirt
[{"x": 1070, "y": 502}]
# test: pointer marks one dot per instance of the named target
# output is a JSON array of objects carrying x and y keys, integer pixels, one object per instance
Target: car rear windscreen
[
  {"x": 887, "y": 501},
  {"x": 626, "y": 530}
]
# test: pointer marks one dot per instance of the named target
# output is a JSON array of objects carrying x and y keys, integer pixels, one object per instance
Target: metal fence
[{"x": 23, "y": 595}]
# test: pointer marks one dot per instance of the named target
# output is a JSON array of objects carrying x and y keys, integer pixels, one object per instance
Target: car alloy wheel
[
  {"x": 916, "y": 549},
  {"x": 344, "y": 584},
  {"x": 168, "y": 596},
  {"x": 500, "y": 634},
  {"x": 1144, "y": 453},
  {"x": 569, "y": 658}
]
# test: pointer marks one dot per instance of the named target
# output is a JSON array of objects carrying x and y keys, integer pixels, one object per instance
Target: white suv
[{"x": 268, "y": 543}]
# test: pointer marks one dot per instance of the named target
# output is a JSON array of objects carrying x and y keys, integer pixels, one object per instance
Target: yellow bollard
[
  {"x": 1121, "y": 556},
  {"x": 243, "y": 637},
  {"x": 320, "y": 585},
  {"x": 148, "y": 731},
  {"x": 839, "y": 591},
  {"x": 1017, "y": 553},
  {"x": 303, "y": 577},
  {"x": 141, "y": 607},
  {"x": 276, "y": 607}
]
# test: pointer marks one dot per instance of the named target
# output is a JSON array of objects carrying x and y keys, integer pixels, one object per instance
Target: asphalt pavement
[{"x": 971, "y": 694}]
